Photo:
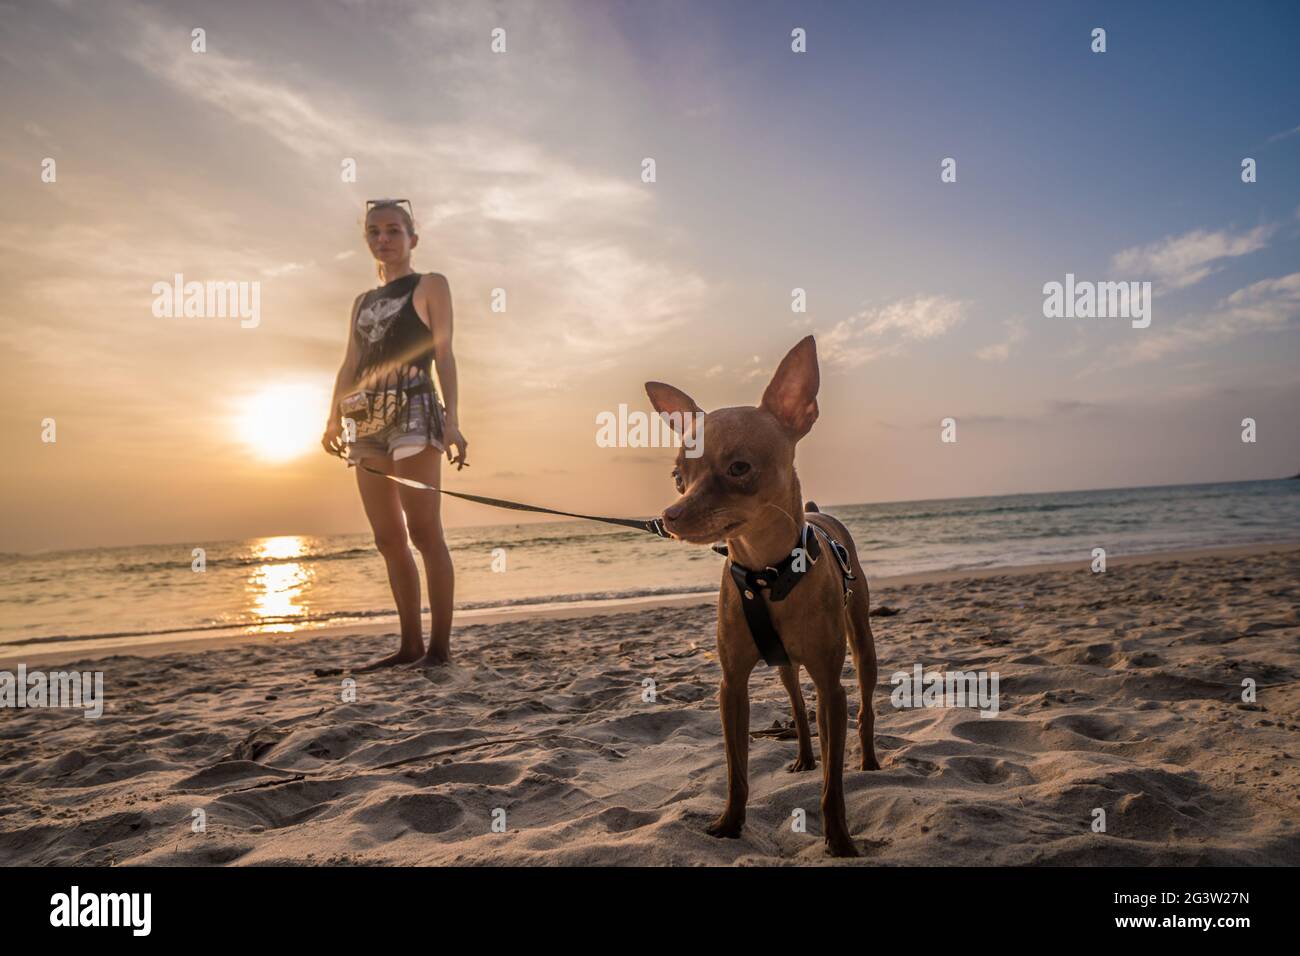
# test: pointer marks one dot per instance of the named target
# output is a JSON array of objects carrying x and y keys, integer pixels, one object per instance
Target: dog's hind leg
[
  {"x": 806, "y": 760},
  {"x": 863, "y": 645},
  {"x": 857, "y": 625}
]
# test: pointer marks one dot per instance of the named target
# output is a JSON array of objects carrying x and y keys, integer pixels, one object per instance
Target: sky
[{"x": 774, "y": 171}]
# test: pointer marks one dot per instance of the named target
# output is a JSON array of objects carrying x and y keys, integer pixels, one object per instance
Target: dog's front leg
[
  {"x": 832, "y": 728},
  {"x": 805, "y": 760},
  {"x": 733, "y": 702}
]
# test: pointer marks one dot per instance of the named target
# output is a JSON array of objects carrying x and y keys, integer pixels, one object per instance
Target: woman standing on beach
[{"x": 397, "y": 425}]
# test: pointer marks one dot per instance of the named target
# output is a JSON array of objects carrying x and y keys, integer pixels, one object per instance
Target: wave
[
  {"x": 325, "y": 618},
  {"x": 182, "y": 561}
]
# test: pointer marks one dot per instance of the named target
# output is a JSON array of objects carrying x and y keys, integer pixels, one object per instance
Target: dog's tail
[{"x": 811, "y": 506}]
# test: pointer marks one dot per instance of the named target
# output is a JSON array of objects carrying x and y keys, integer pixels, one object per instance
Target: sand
[{"x": 1119, "y": 691}]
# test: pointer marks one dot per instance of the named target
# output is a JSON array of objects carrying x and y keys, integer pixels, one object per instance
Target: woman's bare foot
[
  {"x": 404, "y": 656},
  {"x": 434, "y": 659}
]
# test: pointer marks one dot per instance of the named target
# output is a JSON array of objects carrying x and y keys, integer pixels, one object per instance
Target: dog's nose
[{"x": 673, "y": 512}]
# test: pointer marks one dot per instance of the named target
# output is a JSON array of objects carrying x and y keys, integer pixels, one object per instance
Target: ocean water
[{"x": 288, "y": 583}]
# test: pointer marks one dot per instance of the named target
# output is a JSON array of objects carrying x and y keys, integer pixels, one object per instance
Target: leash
[
  {"x": 778, "y": 581},
  {"x": 653, "y": 525}
]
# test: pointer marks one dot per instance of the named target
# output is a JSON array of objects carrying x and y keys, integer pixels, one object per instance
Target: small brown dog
[{"x": 742, "y": 488}]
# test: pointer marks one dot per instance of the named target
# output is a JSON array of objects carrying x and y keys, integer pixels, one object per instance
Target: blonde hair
[{"x": 407, "y": 219}]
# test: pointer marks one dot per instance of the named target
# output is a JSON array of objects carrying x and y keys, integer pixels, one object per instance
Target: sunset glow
[{"x": 281, "y": 422}]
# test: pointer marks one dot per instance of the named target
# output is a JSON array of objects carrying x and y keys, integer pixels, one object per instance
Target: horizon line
[{"x": 504, "y": 524}]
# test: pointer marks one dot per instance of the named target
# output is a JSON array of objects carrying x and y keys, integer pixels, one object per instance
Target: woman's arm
[
  {"x": 438, "y": 302},
  {"x": 437, "y": 305},
  {"x": 343, "y": 383},
  {"x": 346, "y": 378}
]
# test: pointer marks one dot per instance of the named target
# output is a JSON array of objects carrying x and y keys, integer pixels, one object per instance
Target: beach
[{"x": 595, "y": 739}]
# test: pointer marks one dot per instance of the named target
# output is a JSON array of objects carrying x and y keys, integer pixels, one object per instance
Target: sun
[{"x": 282, "y": 422}]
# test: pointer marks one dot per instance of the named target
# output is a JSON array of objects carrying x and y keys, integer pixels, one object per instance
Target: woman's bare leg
[
  {"x": 384, "y": 510},
  {"x": 424, "y": 524}
]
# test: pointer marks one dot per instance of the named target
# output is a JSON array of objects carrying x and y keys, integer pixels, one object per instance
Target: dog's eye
[
  {"x": 738, "y": 468},
  {"x": 677, "y": 479}
]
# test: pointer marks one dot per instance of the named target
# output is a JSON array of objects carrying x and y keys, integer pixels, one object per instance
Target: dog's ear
[
  {"x": 677, "y": 408},
  {"x": 791, "y": 396}
]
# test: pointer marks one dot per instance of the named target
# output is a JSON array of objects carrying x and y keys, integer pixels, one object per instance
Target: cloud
[
  {"x": 1000, "y": 351},
  {"x": 240, "y": 88},
  {"x": 881, "y": 331},
  {"x": 587, "y": 258},
  {"x": 288, "y": 268},
  {"x": 1267, "y": 304},
  {"x": 1125, "y": 411},
  {"x": 744, "y": 371},
  {"x": 755, "y": 369},
  {"x": 1176, "y": 262},
  {"x": 920, "y": 317},
  {"x": 989, "y": 420},
  {"x": 1047, "y": 413},
  {"x": 1069, "y": 406}
]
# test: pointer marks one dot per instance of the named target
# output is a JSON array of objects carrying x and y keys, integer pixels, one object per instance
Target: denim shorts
[{"x": 404, "y": 438}]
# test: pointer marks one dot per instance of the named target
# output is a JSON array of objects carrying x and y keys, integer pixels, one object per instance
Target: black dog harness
[{"x": 778, "y": 581}]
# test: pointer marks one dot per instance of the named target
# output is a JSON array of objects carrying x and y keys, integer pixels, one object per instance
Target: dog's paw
[
  {"x": 801, "y": 763},
  {"x": 726, "y": 828},
  {"x": 869, "y": 763},
  {"x": 841, "y": 848}
]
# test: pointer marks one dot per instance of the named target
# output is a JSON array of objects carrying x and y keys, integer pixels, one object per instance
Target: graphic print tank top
[{"x": 395, "y": 350}]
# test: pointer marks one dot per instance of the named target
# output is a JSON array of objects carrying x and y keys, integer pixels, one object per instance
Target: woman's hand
[
  {"x": 451, "y": 435},
  {"x": 331, "y": 441}
]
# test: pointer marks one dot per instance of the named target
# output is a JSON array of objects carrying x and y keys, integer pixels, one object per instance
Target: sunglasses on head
[{"x": 372, "y": 203}]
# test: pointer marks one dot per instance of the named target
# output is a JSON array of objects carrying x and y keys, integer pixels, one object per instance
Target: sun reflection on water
[{"x": 275, "y": 590}]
